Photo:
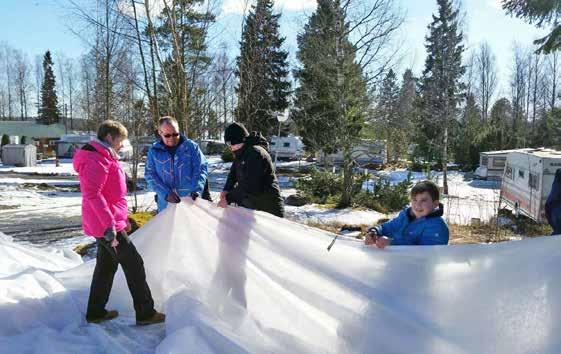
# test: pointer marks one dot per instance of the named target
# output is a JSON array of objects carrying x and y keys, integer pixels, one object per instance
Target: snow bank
[{"x": 236, "y": 281}]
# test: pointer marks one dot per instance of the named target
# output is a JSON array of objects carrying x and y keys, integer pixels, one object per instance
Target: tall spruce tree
[
  {"x": 262, "y": 70},
  {"x": 467, "y": 145},
  {"x": 182, "y": 35},
  {"x": 331, "y": 101},
  {"x": 441, "y": 88},
  {"x": 48, "y": 111},
  {"x": 387, "y": 116}
]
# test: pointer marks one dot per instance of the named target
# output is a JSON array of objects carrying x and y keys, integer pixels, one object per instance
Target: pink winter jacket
[{"x": 103, "y": 186}]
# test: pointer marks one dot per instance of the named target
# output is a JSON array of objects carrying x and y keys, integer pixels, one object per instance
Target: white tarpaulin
[{"x": 236, "y": 281}]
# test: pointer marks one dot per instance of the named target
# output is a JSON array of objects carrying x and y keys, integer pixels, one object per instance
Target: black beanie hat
[{"x": 235, "y": 133}]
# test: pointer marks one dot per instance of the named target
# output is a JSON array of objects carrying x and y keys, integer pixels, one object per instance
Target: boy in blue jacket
[{"x": 419, "y": 224}]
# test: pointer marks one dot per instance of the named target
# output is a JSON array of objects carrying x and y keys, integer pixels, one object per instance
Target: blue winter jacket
[
  {"x": 183, "y": 172},
  {"x": 405, "y": 229}
]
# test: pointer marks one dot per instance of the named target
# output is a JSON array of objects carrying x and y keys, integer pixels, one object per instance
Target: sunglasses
[{"x": 167, "y": 136}]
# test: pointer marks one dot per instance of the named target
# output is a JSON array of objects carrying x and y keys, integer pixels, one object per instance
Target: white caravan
[
  {"x": 366, "y": 152},
  {"x": 492, "y": 164},
  {"x": 527, "y": 180},
  {"x": 287, "y": 147}
]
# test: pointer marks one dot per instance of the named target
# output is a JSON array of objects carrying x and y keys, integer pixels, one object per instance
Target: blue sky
[{"x": 37, "y": 25}]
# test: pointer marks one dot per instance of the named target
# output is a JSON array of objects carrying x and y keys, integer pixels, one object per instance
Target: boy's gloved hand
[
  {"x": 371, "y": 236},
  {"x": 194, "y": 196}
]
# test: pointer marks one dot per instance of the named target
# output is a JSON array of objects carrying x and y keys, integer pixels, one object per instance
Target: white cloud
[{"x": 241, "y": 6}]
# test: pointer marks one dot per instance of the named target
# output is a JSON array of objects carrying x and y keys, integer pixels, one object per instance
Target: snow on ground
[
  {"x": 467, "y": 199},
  {"x": 316, "y": 214},
  {"x": 45, "y": 167}
]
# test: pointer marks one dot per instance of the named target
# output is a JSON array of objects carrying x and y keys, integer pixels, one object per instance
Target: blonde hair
[{"x": 113, "y": 128}]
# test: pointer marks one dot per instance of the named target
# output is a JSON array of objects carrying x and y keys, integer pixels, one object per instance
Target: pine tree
[
  {"x": 48, "y": 111},
  {"x": 497, "y": 132},
  {"x": 467, "y": 145},
  {"x": 542, "y": 13},
  {"x": 331, "y": 101},
  {"x": 407, "y": 108},
  {"x": 262, "y": 70},
  {"x": 182, "y": 35},
  {"x": 388, "y": 118},
  {"x": 441, "y": 88}
]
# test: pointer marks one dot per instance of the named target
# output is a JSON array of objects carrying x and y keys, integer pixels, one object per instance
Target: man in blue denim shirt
[
  {"x": 419, "y": 224},
  {"x": 175, "y": 166}
]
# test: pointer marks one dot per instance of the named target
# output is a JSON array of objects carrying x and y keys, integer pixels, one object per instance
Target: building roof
[
  {"x": 31, "y": 129},
  {"x": 544, "y": 153},
  {"x": 501, "y": 152}
]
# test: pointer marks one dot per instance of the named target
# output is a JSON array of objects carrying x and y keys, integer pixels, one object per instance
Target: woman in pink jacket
[{"x": 104, "y": 216}]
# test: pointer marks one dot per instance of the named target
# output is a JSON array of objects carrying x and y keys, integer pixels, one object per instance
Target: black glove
[
  {"x": 109, "y": 234},
  {"x": 172, "y": 197},
  {"x": 194, "y": 196},
  {"x": 374, "y": 231}
]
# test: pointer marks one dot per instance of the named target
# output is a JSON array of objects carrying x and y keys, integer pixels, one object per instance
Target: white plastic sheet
[{"x": 237, "y": 281}]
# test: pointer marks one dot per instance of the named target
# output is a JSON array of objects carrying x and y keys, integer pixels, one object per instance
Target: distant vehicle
[
  {"x": 366, "y": 152},
  {"x": 69, "y": 143},
  {"x": 126, "y": 151},
  {"x": 492, "y": 164},
  {"x": 287, "y": 147},
  {"x": 212, "y": 147},
  {"x": 527, "y": 180}
]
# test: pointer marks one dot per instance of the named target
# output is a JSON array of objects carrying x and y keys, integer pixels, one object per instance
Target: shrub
[
  {"x": 5, "y": 140},
  {"x": 385, "y": 197},
  {"x": 320, "y": 186}
]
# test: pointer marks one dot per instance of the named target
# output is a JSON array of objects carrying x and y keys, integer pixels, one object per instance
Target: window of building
[
  {"x": 521, "y": 173},
  {"x": 286, "y": 145},
  {"x": 499, "y": 161},
  {"x": 484, "y": 160}
]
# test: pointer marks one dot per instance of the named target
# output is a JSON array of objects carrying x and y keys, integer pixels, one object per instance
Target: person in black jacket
[
  {"x": 553, "y": 204},
  {"x": 252, "y": 182}
]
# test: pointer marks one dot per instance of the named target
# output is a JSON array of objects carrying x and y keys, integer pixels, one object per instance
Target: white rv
[
  {"x": 367, "y": 151},
  {"x": 287, "y": 147},
  {"x": 527, "y": 180},
  {"x": 69, "y": 143},
  {"x": 492, "y": 164}
]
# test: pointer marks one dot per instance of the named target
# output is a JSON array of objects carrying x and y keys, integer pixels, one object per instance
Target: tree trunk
[{"x": 347, "y": 177}]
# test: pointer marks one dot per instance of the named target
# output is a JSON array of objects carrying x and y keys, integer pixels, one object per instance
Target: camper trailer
[
  {"x": 20, "y": 155},
  {"x": 366, "y": 152},
  {"x": 287, "y": 147},
  {"x": 69, "y": 143},
  {"x": 527, "y": 180},
  {"x": 492, "y": 164},
  {"x": 212, "y": 147}
]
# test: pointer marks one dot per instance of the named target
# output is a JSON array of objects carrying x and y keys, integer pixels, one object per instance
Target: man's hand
[
  {"x": 370, "y": 239},
  {"x": 371, "y": 236},
  {"x": 128, "y": 228},
  {"x": 223, "y": 203},
  {"x": 194, "y": 196},
  {"x": 172, "y": 197},
  {"x": 383, "y": 241}
]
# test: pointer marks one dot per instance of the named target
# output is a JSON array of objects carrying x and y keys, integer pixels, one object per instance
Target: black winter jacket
[{"x": 252, "y": 182}]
